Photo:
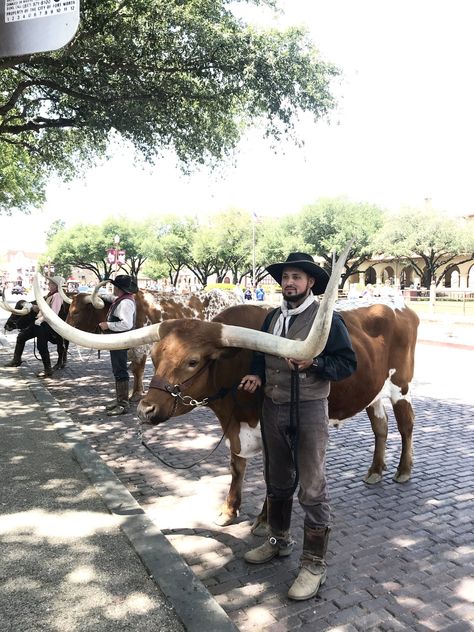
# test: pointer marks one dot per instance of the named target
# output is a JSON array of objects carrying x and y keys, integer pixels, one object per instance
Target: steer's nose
[{"x": 145, "y": 410}]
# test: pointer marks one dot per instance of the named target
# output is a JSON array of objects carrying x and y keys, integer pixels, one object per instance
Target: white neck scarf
[{"x": 282, "y": 323}]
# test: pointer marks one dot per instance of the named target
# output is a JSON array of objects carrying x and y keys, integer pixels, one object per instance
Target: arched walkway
[{"x": 451, "y": 278}]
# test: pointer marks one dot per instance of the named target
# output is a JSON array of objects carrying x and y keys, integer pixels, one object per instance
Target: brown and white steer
[
  {"x": 86, "y": 311},
  {"x": 384, "y": 341},
  {"x": 197, "y": 360}
]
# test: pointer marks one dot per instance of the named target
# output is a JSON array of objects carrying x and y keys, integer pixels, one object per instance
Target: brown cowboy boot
[
  {"x": 122, "y": 404},
  {"x": 312, "y": 573},
  {"x": 113, "y": 402},
  {"x": 279, "y": 542}
]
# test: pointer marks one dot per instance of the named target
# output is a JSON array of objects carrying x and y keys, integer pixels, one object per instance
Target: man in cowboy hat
[
  {"x": 40, "y": 329},
  {"x": 120, "y": 317},
  {"x": 297, "y": 447}
]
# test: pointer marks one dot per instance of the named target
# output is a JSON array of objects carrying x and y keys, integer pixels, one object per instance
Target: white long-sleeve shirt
[
  {"x": 125, "y": 310},
  {"x": 55, "y": 302}
]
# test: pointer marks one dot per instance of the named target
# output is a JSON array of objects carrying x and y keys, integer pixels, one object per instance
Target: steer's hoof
[
  {"x": 401, "y": 478},
  {"x": 224, "y": 518},
  {"x": 373, "y": 478}
]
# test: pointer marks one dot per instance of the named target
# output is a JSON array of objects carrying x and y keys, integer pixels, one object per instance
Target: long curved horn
[
  {"x": 315, "y": 342},
  {"x": 126, "y": 340},
  {"x": 64, "y": 296},
  {"x": 7, "y": 307},
  {"x": 231, "y": 335},
  {"x": 96, "y": 301}
]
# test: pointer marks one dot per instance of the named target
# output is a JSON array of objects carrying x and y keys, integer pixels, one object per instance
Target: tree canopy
[
  {"x": 85, "y": 246},
  {"x": 163, "y": 247},
  {"x": 328, "y": 225},
  {"x": 162, "y": 74},
  {"x": 430, "y": 235},
  {"x": 21, "y": 182}
]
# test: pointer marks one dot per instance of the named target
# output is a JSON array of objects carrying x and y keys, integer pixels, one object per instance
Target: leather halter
[{"x": 176, "y": 389}]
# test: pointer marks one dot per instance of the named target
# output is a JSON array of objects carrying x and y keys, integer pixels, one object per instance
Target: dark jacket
[{"x": 337, "y": 360}]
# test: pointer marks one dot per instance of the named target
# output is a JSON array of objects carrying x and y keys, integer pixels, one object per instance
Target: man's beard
[{"x": 295, "y": 298}]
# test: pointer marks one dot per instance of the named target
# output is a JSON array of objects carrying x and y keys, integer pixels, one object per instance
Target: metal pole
[
  {"x": 253, "y": 250},
  {"x": 116, "y": 242}
]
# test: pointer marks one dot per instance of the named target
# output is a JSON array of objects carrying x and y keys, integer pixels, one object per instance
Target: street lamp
[
  {"x": 116, "y": 242},
  {"x": 116, "y": 256}
]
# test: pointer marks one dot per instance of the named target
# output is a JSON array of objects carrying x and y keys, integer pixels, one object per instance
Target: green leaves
[{"x": 164, "y": 74}]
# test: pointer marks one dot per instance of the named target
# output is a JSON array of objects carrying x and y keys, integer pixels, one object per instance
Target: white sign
[
  {"x": 34, "y": 26},
  {"x": 16, "y": 10}
]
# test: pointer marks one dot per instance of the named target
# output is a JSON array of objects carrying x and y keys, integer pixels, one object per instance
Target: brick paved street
[{"x": 400, "y": 556}]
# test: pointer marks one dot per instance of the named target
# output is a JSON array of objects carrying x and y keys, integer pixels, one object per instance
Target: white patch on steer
[
  {"x": 346, "y": 304},
  {"x": 250, "y": 441},
  {"x": 218, "y": 301},
  {"x": 338, "y": 423},
  {"x": 389, "y": 390},
  {"x": 378, "y": 407},
  {"x": 392, "y": 392},
  {"x": 395, "y": 392}
]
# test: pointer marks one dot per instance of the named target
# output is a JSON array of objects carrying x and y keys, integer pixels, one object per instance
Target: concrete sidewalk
[
  {"x": 446, "y": 331},
  {"x": 69, "y": 561}
]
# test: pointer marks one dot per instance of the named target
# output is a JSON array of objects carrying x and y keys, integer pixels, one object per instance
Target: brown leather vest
[{"x": 277, "y": 372}]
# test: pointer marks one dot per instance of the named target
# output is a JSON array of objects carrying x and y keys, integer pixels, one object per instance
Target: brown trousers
[{"x": 311, "y": 457}]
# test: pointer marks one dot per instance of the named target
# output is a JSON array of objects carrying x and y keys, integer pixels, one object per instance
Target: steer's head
[
  {"x": 83, "y": 315},
  {"x": 185, "y": 368},
  {"x": 21, "y": 317}
]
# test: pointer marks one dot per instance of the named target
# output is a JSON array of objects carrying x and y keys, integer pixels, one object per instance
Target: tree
[
  {"x": 85, "y": 246},
  {"x": 21, "y": 181},
  {"x": 234, "y": 243},
  {"x": 430, "y": 235},
  {"x": 328, "y": 225},
  {"x": 204, "y": 258},
  {"x": 162, "y": 74},
  {"x": 171, "y": 244},
  {"x": 57, "y": 226},
  {"x": 275, "y": 239},
  {"x": 133, "y": 239}
]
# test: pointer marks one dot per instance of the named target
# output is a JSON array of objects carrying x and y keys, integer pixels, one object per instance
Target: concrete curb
[{"x": 193, "y": 603}]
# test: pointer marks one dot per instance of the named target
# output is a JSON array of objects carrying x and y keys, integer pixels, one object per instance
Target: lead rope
[
  {"x": 293, "y": 428},
  {"x": 177, "y": 467}
]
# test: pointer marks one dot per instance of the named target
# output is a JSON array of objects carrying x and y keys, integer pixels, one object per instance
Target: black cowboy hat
[
  {"x": 125, "y": 283},
  {"x": 306, "y": 263}
]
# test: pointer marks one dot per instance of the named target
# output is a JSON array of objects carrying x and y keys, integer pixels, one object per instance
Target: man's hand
[
  {"x": 104, "y": 326},
  {"x": 299, "y": 365},
  {"x": 250, "y": 383}
]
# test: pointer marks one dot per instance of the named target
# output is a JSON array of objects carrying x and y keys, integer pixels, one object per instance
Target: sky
[{"x": 403, "y": 130}]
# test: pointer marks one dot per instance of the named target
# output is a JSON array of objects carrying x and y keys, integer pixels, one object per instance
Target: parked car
[{"x": 18, "y": 289}]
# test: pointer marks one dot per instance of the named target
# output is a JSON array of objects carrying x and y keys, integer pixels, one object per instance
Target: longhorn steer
[
  {"x": 22, "y": 321},
  {"x": 384, "y": 341},
  {"x": 151, "y": 307}
]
